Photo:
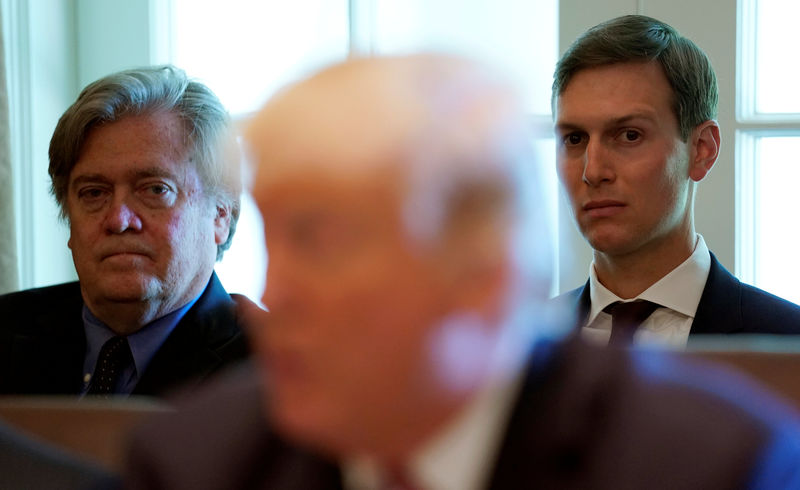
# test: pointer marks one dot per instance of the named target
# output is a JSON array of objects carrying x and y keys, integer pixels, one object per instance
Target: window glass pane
[
  {"x": 243, "y": 267},
  {"x": 545, "y": 152},
  {"x": 244, "y": 50},
  {"x": 520, "y": 36},
  {"x": 777, "y": 263},
  {"x": 777, "y": 72}
]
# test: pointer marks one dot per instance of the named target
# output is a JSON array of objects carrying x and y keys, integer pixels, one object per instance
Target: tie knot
[
  {"x": 626, "y": 318},
  {"x": 631, "y": 308}
]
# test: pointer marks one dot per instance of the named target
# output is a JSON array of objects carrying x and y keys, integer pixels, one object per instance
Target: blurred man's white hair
[{"x": 458, "y": 130}]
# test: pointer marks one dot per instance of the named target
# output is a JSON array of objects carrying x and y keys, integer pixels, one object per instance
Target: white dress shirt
[
  {"x": 460, "y": 456},
  {"x": 678, "y": 294}
]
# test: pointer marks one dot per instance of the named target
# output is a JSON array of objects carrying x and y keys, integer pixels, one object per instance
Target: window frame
[{"x": 750, "y": 127}]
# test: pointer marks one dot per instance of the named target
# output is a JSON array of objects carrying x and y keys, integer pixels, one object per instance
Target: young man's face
[{"x": 621, "y": 159}]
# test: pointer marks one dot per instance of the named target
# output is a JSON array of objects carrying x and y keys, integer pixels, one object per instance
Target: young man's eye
[{"x": 573, "y": 139}]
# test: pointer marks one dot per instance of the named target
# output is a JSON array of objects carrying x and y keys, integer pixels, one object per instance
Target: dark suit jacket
[
  {"x": 727, "y": 306},
  {"x": 42, "y": 342},
  {"x": 586, "y": 418}
]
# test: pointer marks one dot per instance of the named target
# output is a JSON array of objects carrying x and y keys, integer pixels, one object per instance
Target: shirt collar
[
  {"x": 679, "y": 290},
  {"x": 461, "y": 454}
]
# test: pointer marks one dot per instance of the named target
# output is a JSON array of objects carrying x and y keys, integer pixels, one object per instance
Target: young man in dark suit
[
  {"x": 409, "y": 269},
  {"x": 139, "y": 178},
  {"x": 635, "y": 106}
]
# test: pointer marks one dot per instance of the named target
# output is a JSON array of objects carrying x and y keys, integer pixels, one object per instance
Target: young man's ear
[{"x": 704, "y": 149}]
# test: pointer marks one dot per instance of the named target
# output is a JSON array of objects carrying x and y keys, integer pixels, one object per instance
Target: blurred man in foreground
[
  {"x": 409, "y": 263},
  {"x": 137, "y": 173}
]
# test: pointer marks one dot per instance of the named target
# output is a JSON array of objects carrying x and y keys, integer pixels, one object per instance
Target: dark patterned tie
[
  {"x": 115, "y": 356},
  {"x": 626, "y": 318}
]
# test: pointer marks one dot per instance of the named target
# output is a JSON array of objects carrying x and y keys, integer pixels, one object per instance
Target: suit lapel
[
  {"x": 573, "y": 306},
  {"x": 556, "y": 427},
  {"x": 584, "y": 304},
  {"x": 720, "y": 307},
  {"x": 198, "y": 344},
  {"x": 719, "y": 310},
  {"x": 536, "y": 434}
]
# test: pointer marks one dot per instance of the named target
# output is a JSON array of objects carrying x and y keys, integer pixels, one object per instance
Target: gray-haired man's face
[{"x": 141, "y": 229}]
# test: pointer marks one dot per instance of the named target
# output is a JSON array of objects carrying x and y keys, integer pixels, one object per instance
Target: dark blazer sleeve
[
  {"x": 208, "y": 338},
  {"x": 219, "y": 439},
  {"x": 729, "y": 306},
  {"x": 585, "y": 418},
  {"x": 597, "y": 418}
]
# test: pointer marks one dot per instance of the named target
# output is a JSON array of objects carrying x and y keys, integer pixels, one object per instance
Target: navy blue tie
[
  {"x": 626, "y": 318},
  {"x": 115, "y": 356}
]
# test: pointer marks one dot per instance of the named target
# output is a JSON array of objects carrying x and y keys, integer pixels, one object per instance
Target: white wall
[
  {"x": 712, "y": 25},
  {"x": 40, "y": 47},
  {"x": 53, "y": 49},
  {"x": 113, "y": 35}
]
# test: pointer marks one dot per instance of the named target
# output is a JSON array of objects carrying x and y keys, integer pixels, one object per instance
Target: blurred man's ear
[{"x": 476, "y": 260}]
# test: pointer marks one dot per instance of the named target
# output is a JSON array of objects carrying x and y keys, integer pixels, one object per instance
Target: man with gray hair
[
  {"x": 405, "y": 344},
  {"x": 137, "y": 171}
]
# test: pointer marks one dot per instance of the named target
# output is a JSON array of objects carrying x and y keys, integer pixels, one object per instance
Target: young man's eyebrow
[
  {"x": 567, "y": 126},
  {"x": 631, "y": 117}
]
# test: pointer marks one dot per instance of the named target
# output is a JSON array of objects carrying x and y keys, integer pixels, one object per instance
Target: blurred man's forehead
[
  {"x": 313, "y": 128},
  {"x": 326, "y": 182},
  {"x": 347, "y": 115}
]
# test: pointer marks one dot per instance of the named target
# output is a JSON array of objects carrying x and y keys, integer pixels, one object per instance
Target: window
[
  {"x": 246, "y": 50},
  {"x": 767, "y": 143}
]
